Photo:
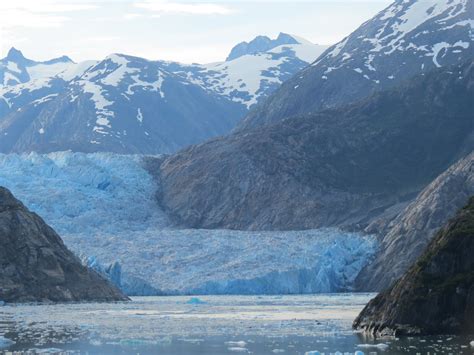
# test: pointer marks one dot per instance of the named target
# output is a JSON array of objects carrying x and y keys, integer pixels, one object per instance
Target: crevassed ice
[{"x": 103, "y": 205}]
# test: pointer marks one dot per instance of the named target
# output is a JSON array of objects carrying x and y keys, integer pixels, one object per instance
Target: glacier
[{"x": 104, "y": 208}]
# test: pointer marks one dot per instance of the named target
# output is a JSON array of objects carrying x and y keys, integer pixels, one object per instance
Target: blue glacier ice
[
  {"x": 103, "y": 206},
  {"x": 84, "y": 193},
  {"x": 5, "y": 342}
]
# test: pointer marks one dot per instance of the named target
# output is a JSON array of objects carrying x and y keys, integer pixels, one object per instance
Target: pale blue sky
[{"x": 186, "y": 31}]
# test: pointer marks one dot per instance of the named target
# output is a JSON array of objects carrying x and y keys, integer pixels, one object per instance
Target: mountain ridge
[
  {"x": 340, "y": 167},
  {"x": 127, "y": 104},
  {"x": 406, "y": 39},
  {"x": 260, "y": 44}
]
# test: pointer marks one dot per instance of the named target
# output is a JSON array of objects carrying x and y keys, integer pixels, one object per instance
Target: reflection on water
[{"x": 209, "y": 325}]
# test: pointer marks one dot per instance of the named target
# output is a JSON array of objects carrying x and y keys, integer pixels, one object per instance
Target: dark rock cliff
[
  {"x": 35, "y": 264},
  {"x": 436, "y": 295}
]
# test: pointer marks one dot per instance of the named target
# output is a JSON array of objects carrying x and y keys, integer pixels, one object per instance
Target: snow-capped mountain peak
[
  {"x": 407, "y": 38},
  {"x": 128, "y": 104},
  {"x": 256, "y": 68},
  {"x": 16, "y": 56},
  {"x": 428, "y": 28},
  {"x": 261, "y": 44}
]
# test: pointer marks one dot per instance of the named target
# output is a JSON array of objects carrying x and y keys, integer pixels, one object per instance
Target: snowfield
[{"x": 103, "y": 206}]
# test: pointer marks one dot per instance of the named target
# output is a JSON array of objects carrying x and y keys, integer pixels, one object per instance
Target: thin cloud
[
  {"x": 37, "y": 13},
  {"x": 103, "y": 39},
  {"x": 167, "y": 7},
  {"x": 132, "y": 16}
]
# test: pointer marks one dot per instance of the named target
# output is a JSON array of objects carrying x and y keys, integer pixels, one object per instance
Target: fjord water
[{"x": 209, "y": 325}]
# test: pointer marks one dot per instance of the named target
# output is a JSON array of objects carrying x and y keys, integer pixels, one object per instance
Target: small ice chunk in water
[
  {"x": 195, "y": 300},
  {"x": 240, "y": 344},
  {"x": 358, "y": 352},
  {"x": 313, "y": 352},
  {"x": 380, "y": 346},
  {"x": 95, "y": 342},
  {"x": 5, "y": 342},
  {"x": 472, "y": 344},
  {"x": 48, "y": 351},
  {"x": 277, "y": 351}
]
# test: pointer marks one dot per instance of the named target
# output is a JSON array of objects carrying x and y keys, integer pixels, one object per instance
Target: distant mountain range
[
  {"x": 129, "y": 105},
  {"x": 407, "y": 38}
]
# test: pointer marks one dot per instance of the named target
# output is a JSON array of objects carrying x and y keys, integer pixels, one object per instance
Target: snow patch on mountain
[
  {"x": 39, "y": 72},
  {"x": 112, "y": 72},
  {"x": 139, "y": 115},
  {"x": 44, "y": 99},
  {"x": 245, "y": 78},
  {"x": 409, "y": 18},
  {"x": 100, "y": 103},
  {"x": 103, "y": 206}
]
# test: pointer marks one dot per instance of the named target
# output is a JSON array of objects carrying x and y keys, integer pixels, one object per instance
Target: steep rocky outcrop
[
  {"x": 341, "y": 167},
  {"x": 407, "y": 235},
  {"x": 436, "y": 295},
  {"x": 36, "y": 265}
]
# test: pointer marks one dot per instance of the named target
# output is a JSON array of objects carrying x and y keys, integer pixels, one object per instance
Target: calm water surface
[{"x": 207, "y": 325}]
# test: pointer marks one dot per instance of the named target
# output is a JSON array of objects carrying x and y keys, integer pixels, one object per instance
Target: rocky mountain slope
[
  {"x": 436, "y": 295},
  {"x": 338, "y": 167},
  {"x": 130, "y": 105},
  {"x": 407, "y": 235},
  {"x": 407, "y": 38},
  {"x": 121, "y": 104},
  {"x": 37, "y": 266}
]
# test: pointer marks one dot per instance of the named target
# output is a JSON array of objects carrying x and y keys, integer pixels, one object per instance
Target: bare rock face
[
  {"x": 37, "y": 266},
  {"x": 341, "y": 167},
  {"x": 436, "y": 295},
  {"x": 408, "y": 234}
]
